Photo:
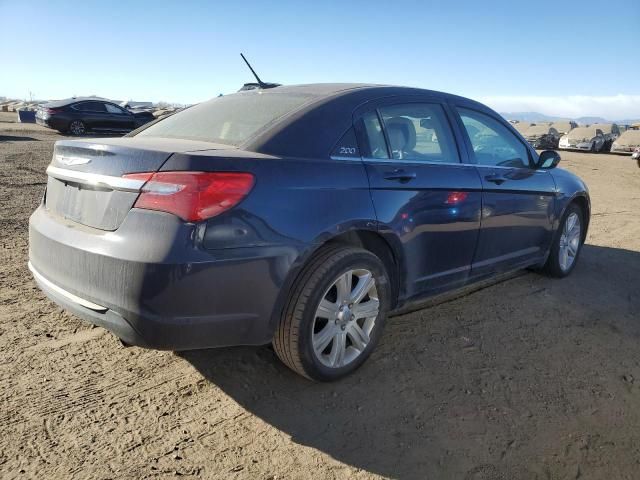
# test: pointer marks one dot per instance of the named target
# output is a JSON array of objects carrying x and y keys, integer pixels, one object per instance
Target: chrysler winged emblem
[{"x": 72, "y": 160}]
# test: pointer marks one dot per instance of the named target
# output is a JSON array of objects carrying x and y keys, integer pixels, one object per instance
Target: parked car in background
[
  {"x": 78, "y": 116},
  {"x": 611, "y": 131},
  {"x": 521, "y": 127},
  {"x": 297, "y": 215},
  {"x": 542, "y": 136},
  {"x": 583, "y": 138},
  {"x": 627, "y": 142},
  {"x": 563, "y": 127},
  {"x": 636, "y": 155}
]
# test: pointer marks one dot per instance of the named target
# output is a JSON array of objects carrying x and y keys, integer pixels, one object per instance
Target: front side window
[
  {"x": 493, "y": 144},
  {"x": 113, "y": 109},
  {"x": 90, "y": 107},
  {"x": 419, "y": 131}
]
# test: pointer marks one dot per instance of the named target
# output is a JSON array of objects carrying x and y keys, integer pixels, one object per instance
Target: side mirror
[{"x": 548, "y": 159}]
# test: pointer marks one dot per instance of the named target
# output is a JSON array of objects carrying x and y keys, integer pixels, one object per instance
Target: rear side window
[
  {"x": 90, "y": 107},
  {"x": 493, "y": 143},
  {"x": 376, "y": 146},
  {"x": 231, "y": 119},
  {"x": 419, "y": 131}
]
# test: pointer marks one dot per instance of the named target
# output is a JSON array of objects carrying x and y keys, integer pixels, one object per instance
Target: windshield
[
  {"x": 630, "y": 138},
  {"x": 605, "y": 127},
  {"x": 538, "y": 130},
  {"x": 231, "y": 119},
  {"x": 562, "y": 126},
  {"x": 582, "y": 132}
]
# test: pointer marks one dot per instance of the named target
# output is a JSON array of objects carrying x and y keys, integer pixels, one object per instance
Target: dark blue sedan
[{"x": 297, "y": 215}]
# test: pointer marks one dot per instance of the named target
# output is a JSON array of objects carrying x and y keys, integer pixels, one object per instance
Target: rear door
[
  {"x": 422, "y": 193},
  {"x": 517, "y": 199}
]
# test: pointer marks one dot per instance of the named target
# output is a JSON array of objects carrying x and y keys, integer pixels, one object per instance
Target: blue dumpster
[{"x": 27, "y": 116}]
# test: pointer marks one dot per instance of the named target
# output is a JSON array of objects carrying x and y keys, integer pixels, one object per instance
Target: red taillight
[
  {"x": 192, "y": 196},
  {"x": 453, "y": 198},
  {"x": 52, "y": 110}
]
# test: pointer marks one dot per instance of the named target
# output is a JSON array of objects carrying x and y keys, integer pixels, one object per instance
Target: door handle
[
  {"x": 400, "y": 175},
  {"x": 495, "y": 178}
]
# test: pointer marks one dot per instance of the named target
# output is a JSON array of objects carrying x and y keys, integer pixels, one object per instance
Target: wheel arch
[
  {"x": 582, "y": 200},
  {"x": 386, "y": 249}
]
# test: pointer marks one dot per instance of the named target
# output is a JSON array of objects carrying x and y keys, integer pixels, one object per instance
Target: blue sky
[{"x": 566, "y": 57}]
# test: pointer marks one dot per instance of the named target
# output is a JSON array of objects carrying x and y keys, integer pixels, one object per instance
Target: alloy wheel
[
  {"x": 569, "y": 241},
  {"x": 345, "y": 318},
  {"x": 77, "y": 127}
]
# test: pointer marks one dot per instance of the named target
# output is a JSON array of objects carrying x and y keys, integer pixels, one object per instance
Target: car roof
[
  {"x": 320, "y": 90},
  {"x": 69, "y": 101},
  {"x": 313, "y": 130}
]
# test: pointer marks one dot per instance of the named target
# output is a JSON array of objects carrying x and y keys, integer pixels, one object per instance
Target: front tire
[
  {"x": 335, "y": 314},
  {"x": 567, "y": 243}
]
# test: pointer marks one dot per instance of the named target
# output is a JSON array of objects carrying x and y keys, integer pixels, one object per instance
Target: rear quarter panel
[{"x": 295, "y": 206}]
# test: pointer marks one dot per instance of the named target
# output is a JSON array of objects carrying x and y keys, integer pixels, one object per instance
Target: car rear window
[{"x": 230, "y": 119}]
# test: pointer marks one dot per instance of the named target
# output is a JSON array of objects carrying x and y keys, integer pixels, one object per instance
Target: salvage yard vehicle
[
  {"x": 611, "y": 132},
  {"x": 78, "y": 116},
  {"x": 564, "y": 127},
  {"x": 542, "y": 136},
  {"x": 627, "y": 142},
  {"x": 297, "y": 215},
  {"x": 521, "y": 127},
  {"x": 583, "y": 138}
]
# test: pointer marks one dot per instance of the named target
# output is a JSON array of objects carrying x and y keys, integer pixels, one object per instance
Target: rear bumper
[
  {"x": 158, "y": 289},
  {"x": 52, "y": 122}
]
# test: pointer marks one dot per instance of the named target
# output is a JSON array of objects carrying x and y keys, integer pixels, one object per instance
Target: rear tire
[
  {"x": 351, "y": 287},
  {"x": 77, "y": 128},
  {"x": 567, "y": 243}
]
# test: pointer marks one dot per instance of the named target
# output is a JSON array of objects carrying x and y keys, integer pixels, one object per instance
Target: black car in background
[{"x": 78, "y": 116}]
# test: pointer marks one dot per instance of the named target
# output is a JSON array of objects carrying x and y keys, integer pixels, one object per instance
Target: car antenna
[{"x": 260, "y": 84}]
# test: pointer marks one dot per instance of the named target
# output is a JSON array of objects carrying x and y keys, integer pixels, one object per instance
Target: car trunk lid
[{"x": 86, "y": 183}]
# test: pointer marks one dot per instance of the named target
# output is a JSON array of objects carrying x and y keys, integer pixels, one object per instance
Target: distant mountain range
[{"x": 541, "y": 117}]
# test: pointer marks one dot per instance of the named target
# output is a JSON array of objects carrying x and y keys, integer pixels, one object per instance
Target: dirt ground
[{"x": 531, "y": 378}]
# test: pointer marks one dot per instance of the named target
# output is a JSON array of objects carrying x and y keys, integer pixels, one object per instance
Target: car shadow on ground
[
  {"x": 17, "y": 138},
  {"x": 479, "y": 387}
]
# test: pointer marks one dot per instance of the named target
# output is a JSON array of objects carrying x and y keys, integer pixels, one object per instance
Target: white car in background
[
  {"x": 627, "y": 143},
  {"x": 584, "y": 138}
]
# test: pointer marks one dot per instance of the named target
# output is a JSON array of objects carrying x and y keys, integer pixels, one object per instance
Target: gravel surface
[{"x": 529, "y": 378}]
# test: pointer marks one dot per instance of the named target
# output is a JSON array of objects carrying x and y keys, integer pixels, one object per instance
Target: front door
[
  {"x": 94, "y": 115},
  {"x": 119, "y": 119},
  {"x": 517, "y": 199},
  {"x": 422, "y": 193}
]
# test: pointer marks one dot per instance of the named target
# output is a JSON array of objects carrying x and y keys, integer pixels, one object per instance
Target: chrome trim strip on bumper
[
  {"x": 68, "y": 295},
  {"x": 96, "y": 180}
]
